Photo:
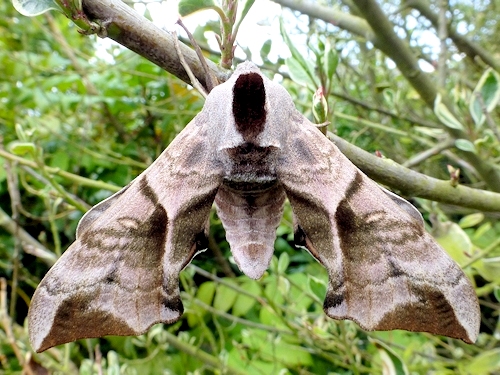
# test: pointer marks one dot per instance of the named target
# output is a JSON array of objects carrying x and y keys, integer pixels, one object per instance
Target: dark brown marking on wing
[
  {"x": 147, "y": 191},
  {"x": 249, "y": 105},
  {"x": 422, "y": 314},
  {"x": 302, "y": 147},
  {"x": 358, "y": 232},
  {"x": 144, "y": 245},
  {"x": 314, "y": 230},
  {"x": 333, "y": 300},
  {"x": 74, "y": 320},
  {"x": 174, "y": 304}
]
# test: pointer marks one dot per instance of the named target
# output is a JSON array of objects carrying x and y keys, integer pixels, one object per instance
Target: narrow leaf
[
  {"x": 485, "y": 96},
  {"x": 391, "y": 362},
  {"x": 225, "y": 297},
  {"x": 445, "y": 116},
  {"x": 490, "y": 89},
  {"x": 265, "y": 49},
  {"x": 331, "y": 60},
  {"x": 487, "y": 362},
  {"x": 283, "y": 262},
  {"x": 299, "y": 60},
  {"x": 455, "y": 241},
  {"x": 246, "y": 8},
  {"x": 298, "y": 73},
  {"x": 21, "y": 148},
  {"x": 244, "y": 302},
  {"x": 465, "y": 145},
  {"x": 471, "y": 220},
  {"x": 489, "y": 269}
]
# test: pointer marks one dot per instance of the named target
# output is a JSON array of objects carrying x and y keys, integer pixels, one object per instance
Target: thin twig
[
  {"x": 194, "y": 81},
  {"x": 443, "y": 36},
  {"x": 6, "y": 322},
  {"x": 209, "y": 76},
  {"x": 15, "y": 203},
  {"x": 419, "y": 158},
  {"x": 29, "y": 244},
  {"x": 67, "y": 175}
]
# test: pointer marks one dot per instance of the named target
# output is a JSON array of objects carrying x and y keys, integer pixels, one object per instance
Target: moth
[{"x": 249, "y": 150}]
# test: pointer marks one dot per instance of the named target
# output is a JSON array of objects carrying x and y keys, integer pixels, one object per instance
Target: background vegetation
[{"x": 417, "y": 81}]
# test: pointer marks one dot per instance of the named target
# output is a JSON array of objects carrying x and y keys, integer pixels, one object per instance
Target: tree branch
[
  {"x": 126, "y": 27},
  {"x": 345, "y": 21},
  {"x": 463, "y": 44},
  {"x": 411, "y": 183}
]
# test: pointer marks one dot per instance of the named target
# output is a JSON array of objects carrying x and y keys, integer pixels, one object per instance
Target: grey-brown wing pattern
[
  {"x": 385, "y": 272},
  {"x": 121, "y": 274}
]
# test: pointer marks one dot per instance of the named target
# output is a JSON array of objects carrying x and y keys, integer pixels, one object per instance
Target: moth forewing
[{"x": 121, "y": 275}]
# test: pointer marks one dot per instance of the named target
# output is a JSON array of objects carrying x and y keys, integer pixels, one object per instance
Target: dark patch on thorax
[
  {"x": 252, "y": 167},
  {"x": 249, "y": 105}
]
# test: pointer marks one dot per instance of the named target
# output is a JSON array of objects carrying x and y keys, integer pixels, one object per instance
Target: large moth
[{"x": 248, "y": 150}]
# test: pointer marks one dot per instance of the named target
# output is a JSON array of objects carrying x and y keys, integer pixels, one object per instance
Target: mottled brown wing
[
  {"x": 385, "y": 272},
  {"x": 121, "y": 275}
]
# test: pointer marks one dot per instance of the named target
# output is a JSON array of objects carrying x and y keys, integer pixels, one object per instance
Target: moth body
[{"x": 250, "y": 199}]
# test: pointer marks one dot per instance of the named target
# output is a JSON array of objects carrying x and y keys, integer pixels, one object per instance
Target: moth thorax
[{"x": 250, "y": 168}]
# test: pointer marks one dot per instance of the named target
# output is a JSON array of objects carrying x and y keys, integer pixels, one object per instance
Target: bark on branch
[
  {"x": 125, "y": 26},
  {"x": 463, "y": 44},
  {"x": 414, "y": 184}
]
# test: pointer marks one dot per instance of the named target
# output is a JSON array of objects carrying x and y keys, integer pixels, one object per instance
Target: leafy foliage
[{"x": 78, "y": 121}]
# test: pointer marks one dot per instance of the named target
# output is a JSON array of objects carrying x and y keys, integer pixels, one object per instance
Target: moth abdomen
[{"x": 250, "y": 219}]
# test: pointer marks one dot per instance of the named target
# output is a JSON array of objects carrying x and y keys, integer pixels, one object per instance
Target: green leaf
[
  {"x": 190, "y": 6},
  {"x": 465, "y": 145},
  {"x": 392, "y": 363},
  {"x": 317, "y": 286},
  {"x": 31, "y": 8},
  {"x": 302, "y": 68},
  {"x": 471, "y": 220},
  {"x": 206, "y": 292},
  {"x": 243, "y": 302},
  {"x": 455, "y": 241},
  {"x": 298, "y": 74},
  {"x": 283, "y": 263},
  {"x": 487, "y": 362},
  {"x": 486, "y": 95},
  {"x": 225, "y": 297},
  {"x": 60, "y": 159},
  {"x": 445, "y": 116},
  {"x": 496, "y": 293},
  {"x": 266, "y": 48},
  {"x": 331, "y": 60},
  {"x": 3, "y": 172},
  {"x": 489, "y": 268},
  {"x": 22, "y": 148},
  {"x": 246, "y": 8}
]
